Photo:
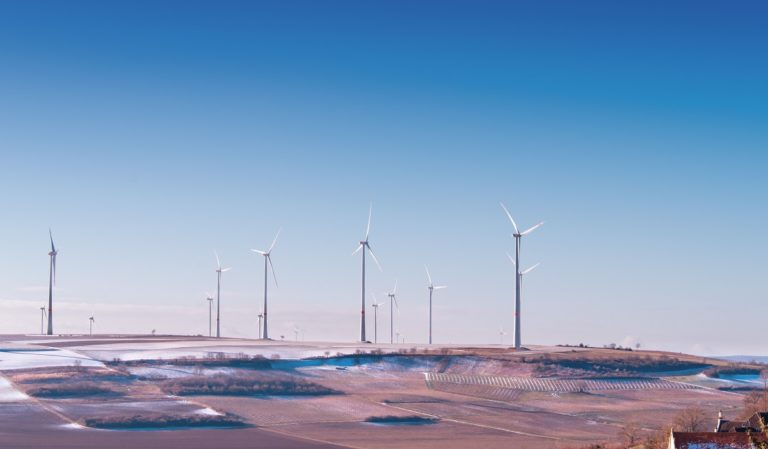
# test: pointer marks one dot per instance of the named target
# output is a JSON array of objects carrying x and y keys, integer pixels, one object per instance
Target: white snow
[
  {"x": 208, "y": 412},
  {"x": 10, "y": 394},
  {"x": 13, "y": 359}
]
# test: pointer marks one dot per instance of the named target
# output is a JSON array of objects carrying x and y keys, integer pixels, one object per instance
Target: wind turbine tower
[
  {"x": 518, "y": 237},
  {"x": 376, "y": 306},
  {"x": 267, "y": 259},
  {"x": 209, "y": 298},
  {"x": 392, "y": 304},
  {"x": 90, "y": 325},
  {"x": 42, "y": 320},
  {"x": 431, "y": 288},
  {"x": 219, "y": 270},
  {"x": 51, "y": 282},
  {"x": 365, "y": 247}
]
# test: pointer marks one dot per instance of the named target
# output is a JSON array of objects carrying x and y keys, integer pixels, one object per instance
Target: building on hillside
[
  {"x": 756, "y": 423},
  {"x": 717, "y": 440},
  {"x": 749, "y": 434}
]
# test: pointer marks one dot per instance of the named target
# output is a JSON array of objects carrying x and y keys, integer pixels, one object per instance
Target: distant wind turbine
[
  {"x": 209, "y": 298},
  {"x": 267, "y": 259},
  {"x": 502, "y": 334},
  {"x": 518, "y": 236},
  {"x": 51, "y": 282},
  {"x": 524, "y": 272},
  {"x": 431, "y": 288},
  {"x": 219, "y": 270},
  {"x": 376, "y": 306},
  {"x": 365, "y": 246},
  {"x": 42, "y": 320},
  {"x": 392, "y": 303},
  {"x": 90, "y": 328}
]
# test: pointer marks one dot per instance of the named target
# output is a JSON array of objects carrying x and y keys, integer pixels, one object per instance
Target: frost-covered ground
[
  {"x": 10, "y": 394},
  {"x": 13, "y": 359}
]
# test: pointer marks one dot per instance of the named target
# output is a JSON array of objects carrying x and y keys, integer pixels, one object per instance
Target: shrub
[
  {"x": 163, "y": 421},
  {"x": 391, "y": 419},
  {"x": 244, "y": 385},
  {"x": 69, "y": 390}
]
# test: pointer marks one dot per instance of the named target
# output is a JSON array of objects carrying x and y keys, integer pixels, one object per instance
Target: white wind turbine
[
  {"x": 392, "y": 303},
  {"x": 365, "y": 247},
  {"x": 209, "y": 298},
  {"x": 524, "y": 272},
  {"x": 431, "y": 288},
  {"x": 219, "y": 270},
  {"x": 51, "y": 282},
  {"x": 42, "y": 320},
  {"x": 90, "y": 325},
  {"x": 376, "y": 306},
  {"x": 518, "y": 236},
  {"x": 267, "y": 259},
  {"x": 502, "y": 334}
]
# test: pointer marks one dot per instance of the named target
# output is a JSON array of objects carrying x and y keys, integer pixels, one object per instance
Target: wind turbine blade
[
  {"x": 226, "y": 269},
  {"x": 50, "y": 234},
  {"x": 274, "y": 276},
  {"x": 368, "y": 228},
  {"x": 395, "y": 289},
  {"x": 397, "y": 304},
  {"x": 218, "y": 262},
  {"x": 531, "y": 268},
  {"x": 374, "y": 258},
  {"x": 357, "y": 250},
  {"x": 511, "y": 259},
  {"x": 263, "y": 253},
  {"x": 532, "y": 228},
  {"x": 274, "y": 241},
  {"x": 428, "y": 276},
  {"x": 440, "y": 287},
  {"x": 510, "y": 217}
]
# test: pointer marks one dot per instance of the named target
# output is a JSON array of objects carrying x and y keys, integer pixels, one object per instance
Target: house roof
[{"x": 712, "y": 440}]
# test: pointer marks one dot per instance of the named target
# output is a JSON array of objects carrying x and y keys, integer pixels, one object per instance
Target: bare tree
[
  {"x": 631, "y": 433},
  {"x": 692, "y": 419}
]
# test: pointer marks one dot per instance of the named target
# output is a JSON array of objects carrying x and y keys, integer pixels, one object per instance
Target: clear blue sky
[{"x": 149, "y": 133}]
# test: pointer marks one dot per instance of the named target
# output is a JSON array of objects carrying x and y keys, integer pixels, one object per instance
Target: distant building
[
  {"x": 749, "y": 434},
  {"x": 755, "y": 424},
  {"x": 717, "y": 440}
]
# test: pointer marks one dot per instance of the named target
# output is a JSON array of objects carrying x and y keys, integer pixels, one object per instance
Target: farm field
[{"x": 306, "y": 395}]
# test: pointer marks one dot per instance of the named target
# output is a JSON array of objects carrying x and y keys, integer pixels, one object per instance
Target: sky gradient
[{"x": 148, "y": 134}]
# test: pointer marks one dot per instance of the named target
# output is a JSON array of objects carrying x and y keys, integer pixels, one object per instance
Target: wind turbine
[
  {"x": 219, "y": 270},
  {"x": 267, "y": 259},
  {"x": 392, "y": 304},
  {"x": 42, "y": 320},
  {"x": 502, "y": 334},
  {"x": 376, "y": 306},
  {"x": 90, "y": 328},
  {"x": 365, "y": 246},
  {"x": 296, "y": 331},
  {"x": 51, "y": 282},
  {"x": 431, "y": 288},
  {"x": 209, "y": 298},
  {"x": 524, "y": 272},
  {"x": 518, "y": 236}
]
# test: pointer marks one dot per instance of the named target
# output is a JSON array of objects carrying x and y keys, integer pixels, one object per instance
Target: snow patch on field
[
  {"x": 208, "y": 412},
  {"x": 42, "y": 358},
  {"x": 10, "y": 394}
]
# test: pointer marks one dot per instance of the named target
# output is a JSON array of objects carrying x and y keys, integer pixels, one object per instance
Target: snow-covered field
[
  {"x": 8, "y": 393},
  {"x": 12, "y": 359}
]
